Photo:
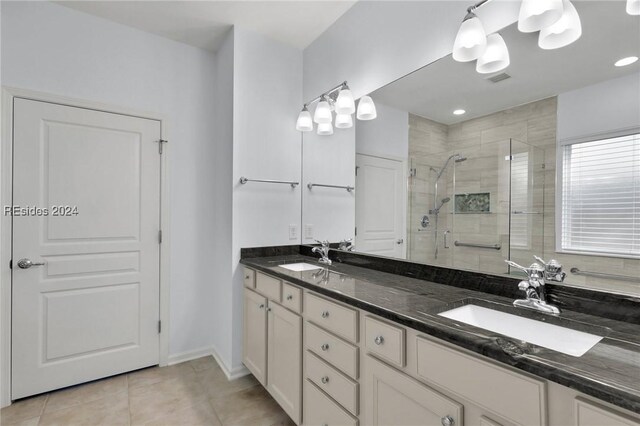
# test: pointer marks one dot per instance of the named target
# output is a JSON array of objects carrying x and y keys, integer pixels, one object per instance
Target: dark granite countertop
[{"x": 609, "y": 371}]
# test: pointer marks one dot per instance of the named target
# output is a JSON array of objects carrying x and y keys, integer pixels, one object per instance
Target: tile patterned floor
[{"x": 192, "y": 393}]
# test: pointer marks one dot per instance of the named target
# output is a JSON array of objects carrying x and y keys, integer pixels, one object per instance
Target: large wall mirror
[{"x": 465, "y": 170}]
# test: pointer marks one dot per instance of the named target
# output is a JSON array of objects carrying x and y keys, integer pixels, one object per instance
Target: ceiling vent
[{"x": 499, "y": 77}]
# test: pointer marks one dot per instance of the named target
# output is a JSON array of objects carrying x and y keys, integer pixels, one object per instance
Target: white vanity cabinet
[
  {"x": 393, "y": 398},
  {"x": 273, "y": 342},
  {"x": 328, "y": 363}
]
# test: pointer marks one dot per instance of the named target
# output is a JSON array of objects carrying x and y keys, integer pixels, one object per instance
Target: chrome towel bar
[
  {"x": 577, "y": 271},
  {"x": 348, "y": 188},
  {"x": 244, "y": 180},
  {"x": 486, "y": 246}
]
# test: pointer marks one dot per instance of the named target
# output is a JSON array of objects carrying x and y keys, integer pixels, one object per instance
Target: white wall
[
  {"x": 609, "y": 106},
  {"x": 223, "y": 191},
  {"x": 50, "y": 48},
  {"x": 386, "y": 136},
  {"x": 267, "y": 96}
]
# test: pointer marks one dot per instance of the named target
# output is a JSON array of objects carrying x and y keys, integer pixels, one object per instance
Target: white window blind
[
  {"x": 601, "y": 196},
  {"x": 520, "y": 201}
]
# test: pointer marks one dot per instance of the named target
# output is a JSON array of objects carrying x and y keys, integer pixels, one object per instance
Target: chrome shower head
[
  {"x": 445, "y": 200},
  {"x": 460, "y": 159}
]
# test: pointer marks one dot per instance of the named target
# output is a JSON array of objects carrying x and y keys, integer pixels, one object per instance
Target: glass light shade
[
  {"x": 366, "y": 109},
  {"x": 538, "y": 14},
  {"x": 325, "y": 129},
  {"x": 345, "y": 103},
  {"x": 344, "y": 121},
  {"x": 304, "y": 123},
  {"x": 471, "y": 40},
  {"x": 633, "y": 7},
  {"x": 495, "y": 57},
  {"x": 323, "y": 113},
  {"x": 564, "y": 32}
]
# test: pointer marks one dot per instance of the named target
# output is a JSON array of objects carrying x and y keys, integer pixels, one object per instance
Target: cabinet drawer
[
  {"x": 292, "y": 297},
  {"x": 332, "y": 349},
  {"x": 338, "y": 319},
  {"x": 320, "y": 410},
  {"x": 268, "y": 286},
  {"x": 517, "y": 397},
  {"x": 335, "y": 384},
  {"x": 590, "y": 414},
  {"x": 385, "y": 341},
  {"x": 249, "y": 278}
]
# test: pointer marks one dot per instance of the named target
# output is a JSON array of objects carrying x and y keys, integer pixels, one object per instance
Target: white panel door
[
  {"x": 380, "y": 206},
  {"x": 91, "y": 309}
]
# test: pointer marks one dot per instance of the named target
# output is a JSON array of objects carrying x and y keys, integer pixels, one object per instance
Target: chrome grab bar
[
  {"x": 487, "y": 246},
  {"x": 523, "y": 212},
  {"x": 244, "y": 180},
  {"x": 577, "y": 271},
  {"x": 348, "y": 188}
]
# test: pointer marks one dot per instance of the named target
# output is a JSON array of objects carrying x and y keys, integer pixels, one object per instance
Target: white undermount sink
[
  {"x": 300, "y": 267},
  {"x": 561, "y": 339}
]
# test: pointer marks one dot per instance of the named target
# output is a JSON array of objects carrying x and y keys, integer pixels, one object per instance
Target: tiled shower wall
[{"x": 485, "y": 142}]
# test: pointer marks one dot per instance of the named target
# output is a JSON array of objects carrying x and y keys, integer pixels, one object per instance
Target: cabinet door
[
  {"x": 285, "y": 359},
  {"x": 590, "y": 414},
  {"x": 393, "y": 398},
  {"x": 255, "y": 335}
]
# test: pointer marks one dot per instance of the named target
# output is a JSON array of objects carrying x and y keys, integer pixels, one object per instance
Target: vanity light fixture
[
  {"x": 323, "y": 111},
  {"x": 344, "y": 121},
  {"x": 459, "y": 112},
  {"x": 633, "y": 7},
  {"x": 366, "y": 109},
  {"x": 345, "y": 103},
  {"x": 626, "y": 61},
  {"x": 340, "y": 100},
  {"x": 564, "y": 32},
  {"x": 538, "y": 14},
  {"x": 495, "y": 57},
  {"x": 305, "y": 122},
  {"x": 471, "y": 40},
  {"x": 325, "y": 129}
]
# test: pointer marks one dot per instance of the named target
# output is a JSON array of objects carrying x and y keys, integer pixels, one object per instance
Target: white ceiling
[
  {"x": 204, "y": 23},
  {"x": 608, "y": 34}
]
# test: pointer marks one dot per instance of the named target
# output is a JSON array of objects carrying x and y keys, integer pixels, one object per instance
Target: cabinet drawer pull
[
  {"x": 261, "y": 306},
  {"x": 268, "y": 309},
  {"x": 290, "y": 297},
  {"x": 325, "y": 380},
  {"x": 379, "y": 340},
  {"x": 325, "y": 347},
  {"x": 447, "y": 421},
  {"x": 247, "y": 277},
  {"x": 325, "y": 314}
]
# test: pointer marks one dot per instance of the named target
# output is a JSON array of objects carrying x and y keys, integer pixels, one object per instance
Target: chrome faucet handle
[
  {"x": 552, "y": 270},
  {"x": 515, "y": 265}
]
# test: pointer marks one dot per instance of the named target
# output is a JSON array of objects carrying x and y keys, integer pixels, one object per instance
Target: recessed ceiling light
[
  {"x": 626, "y": 61},
  {"x": 459, "y": 112}
]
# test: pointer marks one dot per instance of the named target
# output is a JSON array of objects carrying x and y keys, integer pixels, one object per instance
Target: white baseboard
[{"x": 232, "y": 374}]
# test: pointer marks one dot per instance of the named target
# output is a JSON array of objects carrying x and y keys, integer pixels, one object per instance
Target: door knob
[
  {"x": 27, "y": 263},
  {"x": 400, "y": 241},
  {"x": 447, "y": 421}
]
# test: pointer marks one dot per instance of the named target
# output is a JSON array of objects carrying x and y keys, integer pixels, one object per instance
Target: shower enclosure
[{"x": 477, "y": 206}]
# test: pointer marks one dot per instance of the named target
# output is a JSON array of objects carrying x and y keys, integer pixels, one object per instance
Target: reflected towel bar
[
  {"x": 244, "y": 180},
  {"x": 487, "y": 246},
  {"x": 348, "y": 188},
  {"x": 577, "y": 271}
]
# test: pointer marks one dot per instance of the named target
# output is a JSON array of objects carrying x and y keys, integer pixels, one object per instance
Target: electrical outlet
[
  {"x": 308, "y": 231},
  {"x": 293, "y": 231}
]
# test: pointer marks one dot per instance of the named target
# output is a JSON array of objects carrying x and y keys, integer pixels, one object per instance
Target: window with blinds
[{"x": 601, "y": 197}]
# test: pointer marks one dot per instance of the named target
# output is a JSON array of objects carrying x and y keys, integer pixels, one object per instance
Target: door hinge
[
  {"x": 160, "y": 236},
  {"x": 356, "y": 232},
  {"x": 357, "y": 167},
  {"x": 160, "y": 143},
  {"x": 10, "y": 263},
  {"x": 159, "y": 327}
]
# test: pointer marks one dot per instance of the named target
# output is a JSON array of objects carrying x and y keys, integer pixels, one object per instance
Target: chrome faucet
[
  {"x": 534, "y": 287},
  {"x": 323, "y": 250},
  {"x": 347, "y": 245}
]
